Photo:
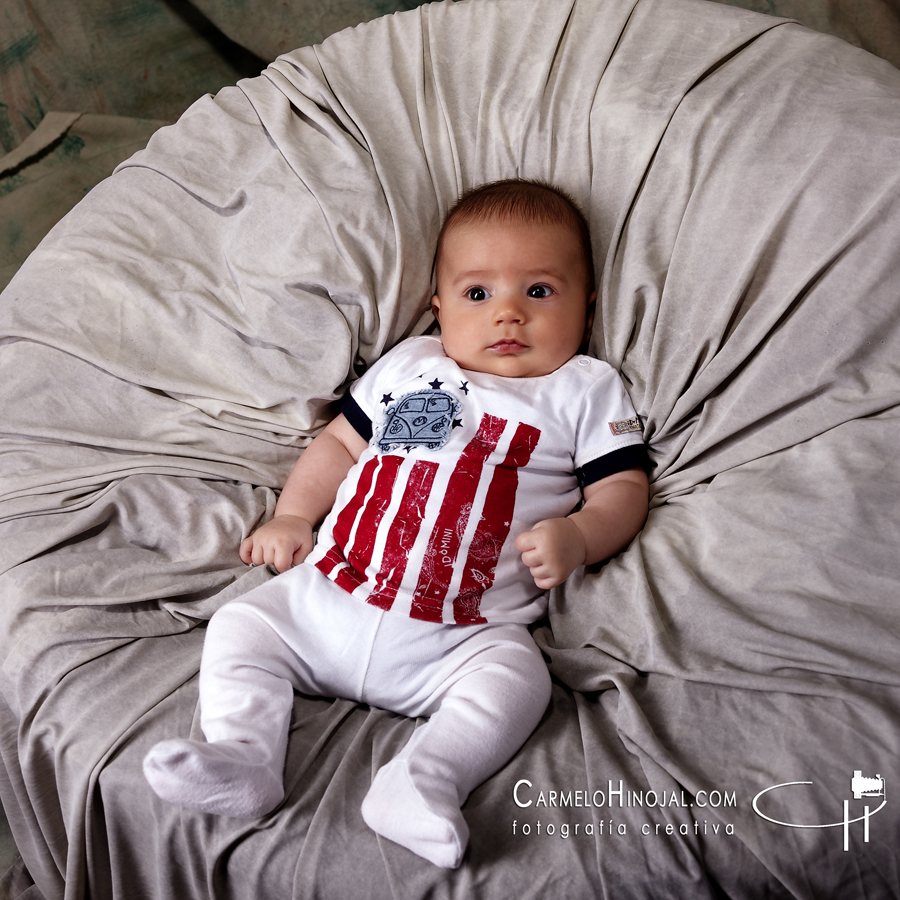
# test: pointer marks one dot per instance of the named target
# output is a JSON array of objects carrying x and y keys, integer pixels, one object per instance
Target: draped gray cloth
[{"x": 173, "y": 343}]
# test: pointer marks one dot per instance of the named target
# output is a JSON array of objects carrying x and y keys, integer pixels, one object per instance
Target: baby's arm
[
  {"x": 308, "y": 495},
  {"x": 613, "y": 512}
]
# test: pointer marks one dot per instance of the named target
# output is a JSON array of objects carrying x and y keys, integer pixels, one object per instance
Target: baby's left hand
[{"x": 552, "y": 550}]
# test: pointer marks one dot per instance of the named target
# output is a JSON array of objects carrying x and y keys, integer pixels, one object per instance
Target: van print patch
[{"x": 420, "y": 419}]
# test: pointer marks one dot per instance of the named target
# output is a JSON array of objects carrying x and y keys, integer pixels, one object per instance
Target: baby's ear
[{"x": 436, "y": 307}]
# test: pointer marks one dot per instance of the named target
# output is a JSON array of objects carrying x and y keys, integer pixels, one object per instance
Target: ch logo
[{"x": 860, "y": 786}]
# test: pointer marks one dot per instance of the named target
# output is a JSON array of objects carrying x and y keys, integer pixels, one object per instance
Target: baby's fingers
[
  {"x": 301, "y": 553},
  {"x": 546, "y": 578},
  {"x": 283, "y": 558},
  {"x": 258, "y": 554},
  {"x": 526, "y": 541},
  {"x": 532, "y": 559},
  {"x": 246, "y": 550},
  {"x": 276, "y": 551}
]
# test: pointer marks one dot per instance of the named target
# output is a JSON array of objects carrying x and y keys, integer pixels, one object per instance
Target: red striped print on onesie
[
  {"x": 493, "y": 529},
  {"x": 360, "y": 555},
  {"x": 347, "y": 516},
  {"x": 403, "y": 533},
  {"x": 444, "y": 544},
  {"x": 352, "y": 576}
]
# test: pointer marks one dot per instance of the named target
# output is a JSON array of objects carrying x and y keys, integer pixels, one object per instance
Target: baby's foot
[
  {"x": 224, "y": 778},
  {"x": 432, "y": 827}
]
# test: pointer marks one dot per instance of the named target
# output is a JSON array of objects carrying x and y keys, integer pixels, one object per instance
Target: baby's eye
[
  {"x": 477, "y": 293},
  {"x": 539, "y": 291}
]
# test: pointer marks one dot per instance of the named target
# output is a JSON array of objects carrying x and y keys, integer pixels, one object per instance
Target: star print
[
  {"x": 457, "y": 423},
  {"x": 464, "y": 387},
  {"x": 387, "y": 398},
  {"x": 435, "y": 384}
]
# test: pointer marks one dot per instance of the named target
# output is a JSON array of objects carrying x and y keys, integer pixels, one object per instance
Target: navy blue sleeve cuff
[
  {"x": 633, "y": 456},
  {"x": 357, "y": 418}
]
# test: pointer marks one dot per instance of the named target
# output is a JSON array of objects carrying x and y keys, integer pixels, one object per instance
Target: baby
[{"x": 447, "y": 487}]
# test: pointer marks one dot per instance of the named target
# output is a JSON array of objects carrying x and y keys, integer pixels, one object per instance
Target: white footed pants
[{"x": 483, "y": 687}]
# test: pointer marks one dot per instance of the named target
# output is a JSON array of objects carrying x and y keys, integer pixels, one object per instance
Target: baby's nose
[{"x": 509, "y": 309}]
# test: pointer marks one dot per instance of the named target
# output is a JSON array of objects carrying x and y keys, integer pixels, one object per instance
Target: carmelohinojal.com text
[{"x": 616, "y": 797}]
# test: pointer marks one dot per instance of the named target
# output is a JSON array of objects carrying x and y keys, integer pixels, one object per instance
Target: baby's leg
[
  {"x": 246, "y": 697},
  {"x": 485, "y": 712},
  {"x": 299, "y": 630}
]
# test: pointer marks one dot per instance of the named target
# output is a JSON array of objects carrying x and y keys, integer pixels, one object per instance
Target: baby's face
[{"x": 512, "y": 297}]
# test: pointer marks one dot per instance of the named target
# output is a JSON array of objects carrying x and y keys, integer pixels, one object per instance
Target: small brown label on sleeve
[{"x": 625, "y": 426}]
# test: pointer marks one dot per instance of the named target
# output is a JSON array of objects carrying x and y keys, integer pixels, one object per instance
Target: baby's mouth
[{"x": 508, "y": 345}]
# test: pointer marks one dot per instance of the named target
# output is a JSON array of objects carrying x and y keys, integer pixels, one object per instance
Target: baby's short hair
[{"x": 524, "y": 200}]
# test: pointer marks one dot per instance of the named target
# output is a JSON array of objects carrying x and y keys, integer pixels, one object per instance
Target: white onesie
[{"x": 414, "y": 598}]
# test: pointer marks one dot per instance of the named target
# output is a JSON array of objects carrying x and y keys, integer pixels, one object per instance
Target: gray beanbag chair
[{"x": 726, "y": 709}]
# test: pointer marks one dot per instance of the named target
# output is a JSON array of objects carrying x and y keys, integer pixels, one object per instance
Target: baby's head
[{"x": 515, "y": 279}]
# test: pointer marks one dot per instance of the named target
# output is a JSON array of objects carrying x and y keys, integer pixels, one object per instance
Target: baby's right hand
[{"x": 283, "y": 542}]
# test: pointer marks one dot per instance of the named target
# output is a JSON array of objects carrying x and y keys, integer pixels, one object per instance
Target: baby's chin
[{"x": 510, "y": 365}]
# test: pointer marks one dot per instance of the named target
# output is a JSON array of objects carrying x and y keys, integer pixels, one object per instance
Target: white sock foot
[
  {"x": 432, "y": 827},
  {"x": 224, "y": 777}
]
